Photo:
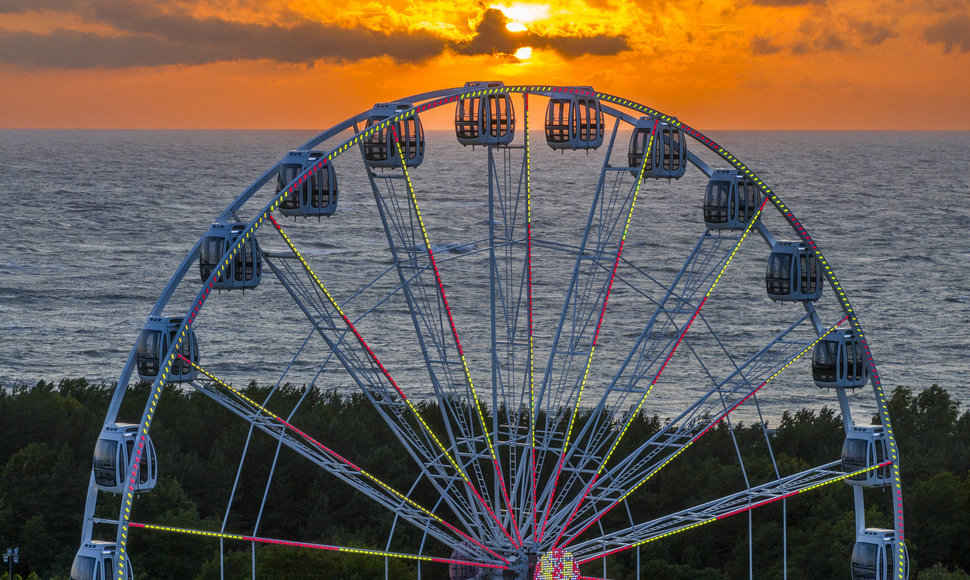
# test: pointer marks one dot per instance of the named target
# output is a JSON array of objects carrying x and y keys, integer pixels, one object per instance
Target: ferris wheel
[{"x": 511, "y": 312}]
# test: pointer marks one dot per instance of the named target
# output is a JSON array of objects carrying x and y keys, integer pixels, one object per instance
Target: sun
[{"x": 524, "y": 53}]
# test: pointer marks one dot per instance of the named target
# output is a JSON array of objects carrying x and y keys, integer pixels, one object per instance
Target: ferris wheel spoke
[
  {"x": 508, "y": 280},
  {"x": 493, "y": 565},
  {"x": 360, "y": 479},
  {"x": 649, "y": 459},
  {"x": 710, "y": 512},
  {"x": 510, "y": 294},
  {"x": 530, "y": 495},
  {"x": 701, "y": 272},
  {"x": 407, "y": 245},
  {"x": 475, "y": 401},
  {"x": 440, "y": 341},
  {"x": 395, "y": 407},
  {"x": 664, "y": 332},
  {"x": 614, "y": 209},
  {"x": 600, "y": 426}
]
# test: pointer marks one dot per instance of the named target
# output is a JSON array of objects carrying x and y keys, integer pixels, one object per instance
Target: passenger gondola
[
  {"x": 485, "y": 119},
  {"x": 669, "y": 153},
  {"x": 839, "y": 361},
  {"x": 96, "y": 561},
  {"x": 317, "y": 194},
  {"x": 112, "y": 454},
  {"x": 731, "y": 201},
  {"x": 866, "y": 447},
  {"x": 156, "y": 337},
  {"x": 874, "y": 556},
  {"x": 381, "y": 148},
  {"x": 793, "y": 273},
  {"x": 574, "y": 121},
  {"x": 246, "y": 267}
]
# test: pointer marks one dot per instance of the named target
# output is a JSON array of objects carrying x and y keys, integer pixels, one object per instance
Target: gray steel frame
[{"x": 490, "y": 475}]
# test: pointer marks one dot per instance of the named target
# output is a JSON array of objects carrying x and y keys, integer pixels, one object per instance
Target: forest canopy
[{"x": 48, "y": 431}]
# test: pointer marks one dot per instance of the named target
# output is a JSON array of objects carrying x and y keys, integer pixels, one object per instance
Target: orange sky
[{"x": 306, "y": 64}]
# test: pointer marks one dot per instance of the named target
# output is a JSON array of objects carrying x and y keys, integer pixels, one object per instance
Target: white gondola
[
  {"x": 793, "y": 273},
  {"x": 96, "y": 561},
  {"x": 112, "y": 454},
  {"x": 839, "y": 361},
  {"x": 484, "y": 119},
  {"x": 876, "y": 554},
  {"x": 866, "y": 447},
  {"x": 246, "y": 267},
  {"x": 381, "y": 148},
  {"x": 153, "y": 342},
  {"x": 669, "y": 154},
  {"x": 731, "y": 200},
  {"x": 317, "y": 195},
  {"x": 574, "y": 121}
]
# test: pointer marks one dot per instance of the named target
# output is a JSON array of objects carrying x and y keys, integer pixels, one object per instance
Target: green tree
[
  {"x": 170, "y": 555},
  {"x": 938, "y": 512},
  {"x": 941, "y": 572},
  {"x": 40, "y": 486}
]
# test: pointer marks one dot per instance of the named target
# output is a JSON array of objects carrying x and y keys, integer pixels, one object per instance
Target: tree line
[{"x": 48, "y": 431}]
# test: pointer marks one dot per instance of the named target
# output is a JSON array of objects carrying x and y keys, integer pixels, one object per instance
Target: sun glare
[
  {"x": 519, "y": 12},
  {"x": 524, "y": 53},
  {"x": 515, "y": 27}
]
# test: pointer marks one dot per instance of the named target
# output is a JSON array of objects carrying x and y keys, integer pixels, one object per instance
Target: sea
[{"x": 95, "y": 223}]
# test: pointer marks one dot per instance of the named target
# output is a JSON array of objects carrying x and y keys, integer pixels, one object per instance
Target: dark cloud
[
  {"x": 816, "y": 36},
  {"x": 492, "y": 38},
  {"x": 21, "y": 6},
  {"x": 574, "y": 46},
  {"x": 826, "y": 41},
  {"x": 148, "y": 37},
  {"x": 873, "y": 34},
  {"x": 786, "y": 2},
  {"x": 761, "y": 46},
  {"x": 953, "y": 33},
  {"x": 301, "y": 44},
  {"x": 71, "y": 49}
]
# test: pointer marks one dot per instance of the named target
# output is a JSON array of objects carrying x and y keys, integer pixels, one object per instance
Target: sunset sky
[{"x": 307, "y": 64}]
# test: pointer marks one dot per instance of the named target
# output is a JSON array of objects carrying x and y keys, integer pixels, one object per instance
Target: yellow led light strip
[
  {"x": 454, "y": 332},
  {"x": 648, "y": 152},
  {"x": 347, "y": 321},
  {"x": 876, "y": 382},
  {"x": 528, "y": 256},
  {"x": 340, "y": 458},
  {"x": 361, "y": 551},
  {"x": 710, "y": 426},
  {"x": 842, "y": 477},
  {"x": 790, "y": 217},
  {"x": 387, "y": 374},
  {"x": 724, "y": 414},
  {"x": 711, "y": 290},
  {"x": 183, "y": 335},
  {"x": 833, "y": 281},
  {"x": 656, "y": 378}
]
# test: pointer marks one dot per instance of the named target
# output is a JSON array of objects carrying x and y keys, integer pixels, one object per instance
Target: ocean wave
[
  {"x": 453, "y": 248},
  {"x": 94, "y": 262}
]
